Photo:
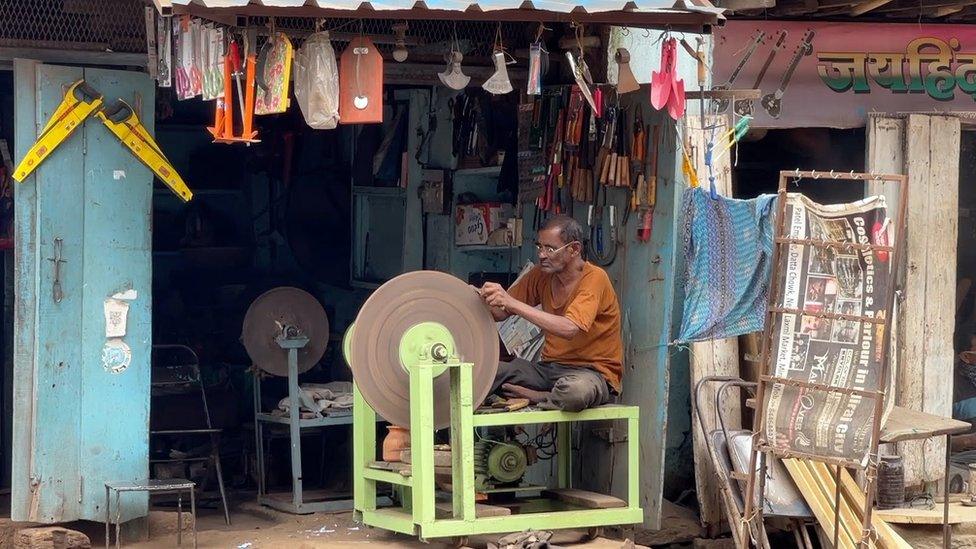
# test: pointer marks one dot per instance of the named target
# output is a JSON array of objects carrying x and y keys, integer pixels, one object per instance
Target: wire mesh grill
[
  {"x": 119, "y": 25},
  {"x": 99, "y": 25},
  {"x": 480, "y": 35}
]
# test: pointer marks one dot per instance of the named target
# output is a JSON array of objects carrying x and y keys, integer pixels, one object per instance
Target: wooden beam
[
  {"x": 75, "y": 57},
  {"x": 865, "y": 7},
  {"x": 746, "y": 5},
  {"x": 164, "y": 7},
  {"x": 821, "y": 505},
  {"x": 799, "y": 7},
  {"x": 724, "y": 94},
  {"x": 949, "y": 10},
  {"x": 711, "y": 358},
  {"x": 810, "y": 7},
  {"x": 901, "y": 6},
  {"x": 965, "y": 13}
]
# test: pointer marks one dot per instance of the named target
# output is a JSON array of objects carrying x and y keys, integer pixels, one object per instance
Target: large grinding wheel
[
  {"x": 275, "y": 310},
  {"x": 407, "y": 301}
]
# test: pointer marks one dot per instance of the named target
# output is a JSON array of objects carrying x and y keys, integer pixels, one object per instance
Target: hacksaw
[
  {"x": 78, "y": 104},
  {"x": 122, "y": 121}
]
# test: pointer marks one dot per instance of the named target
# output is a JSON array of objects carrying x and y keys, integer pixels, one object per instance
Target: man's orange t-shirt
[{"x": 593, "y": 307}]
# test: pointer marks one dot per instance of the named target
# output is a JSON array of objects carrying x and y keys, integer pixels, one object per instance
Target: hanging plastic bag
[{"x": 317, "y": 82}]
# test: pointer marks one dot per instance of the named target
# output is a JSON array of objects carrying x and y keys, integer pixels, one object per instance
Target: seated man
[{"x": 580, "y": 319}]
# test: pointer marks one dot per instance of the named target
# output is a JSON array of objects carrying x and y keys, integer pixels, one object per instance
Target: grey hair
[{"x": 569, "y": 229}]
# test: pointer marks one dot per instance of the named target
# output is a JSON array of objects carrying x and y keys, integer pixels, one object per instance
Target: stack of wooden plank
[{"x": 816, "y": 482}]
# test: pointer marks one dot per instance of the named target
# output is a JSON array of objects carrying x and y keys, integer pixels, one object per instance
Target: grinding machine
[
  {"x": 424, "y": 352},
  {"x": 285, "y": 333}
]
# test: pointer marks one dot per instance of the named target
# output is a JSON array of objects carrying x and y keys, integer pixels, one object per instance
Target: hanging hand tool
[
  {"x": 688, "y": 168},
  {"x": 79, "y": 102},
  {"x": 234, "y": 58},
  {"x": 608, "y": 170},
  {"x": 122, "y": 121},
  {"x": 573, "y": 135},
  {"x": 550, "y": 200},
  {"x": 733, "y": 136},
  {"x": 623, "y": 158},
  {"x": 223, "y": 128},
  {"x": 667, "y": 90},
  {"x": 650, "y": 197},
  {"x": 606, "y": 146},
  {"x": 637, "y": 157}
]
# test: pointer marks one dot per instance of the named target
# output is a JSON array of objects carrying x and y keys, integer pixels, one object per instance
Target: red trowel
[{"x": 666, "y": 89}]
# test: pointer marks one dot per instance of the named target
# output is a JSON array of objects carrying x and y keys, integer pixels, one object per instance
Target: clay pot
[{"x": 397, "y": 440}]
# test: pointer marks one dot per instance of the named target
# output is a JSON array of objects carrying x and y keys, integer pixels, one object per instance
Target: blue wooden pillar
[{"x": 81, "y": 399}]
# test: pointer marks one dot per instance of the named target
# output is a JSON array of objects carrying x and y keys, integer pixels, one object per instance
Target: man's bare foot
[{"x": 517, "y": 391}]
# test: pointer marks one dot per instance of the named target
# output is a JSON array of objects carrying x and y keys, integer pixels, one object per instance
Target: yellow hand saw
[
  {"x": 122, "y": 121},
  {"x": 77, "y": 105}
]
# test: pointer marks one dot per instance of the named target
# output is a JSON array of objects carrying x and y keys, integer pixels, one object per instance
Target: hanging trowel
[
  {"x": 662, "y": 80},
  {"x": 452, "y": 77},
  {"x": 499, "y": 83}
]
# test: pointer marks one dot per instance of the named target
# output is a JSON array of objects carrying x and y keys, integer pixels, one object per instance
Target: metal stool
[{"x": 153, "y": 486}]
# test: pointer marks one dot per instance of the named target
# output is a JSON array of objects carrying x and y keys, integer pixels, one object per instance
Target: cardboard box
[{"x": 474, "y": 222}]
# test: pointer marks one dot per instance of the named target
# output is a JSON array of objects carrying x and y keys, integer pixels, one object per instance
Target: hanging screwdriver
[{"x": 234, "y": 58}]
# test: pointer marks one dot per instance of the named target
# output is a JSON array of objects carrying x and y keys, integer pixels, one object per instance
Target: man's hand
[{"x": 495, "y": 296}]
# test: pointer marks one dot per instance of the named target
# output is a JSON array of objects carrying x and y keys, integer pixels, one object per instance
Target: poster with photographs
[{"x": 840, "y": 353}]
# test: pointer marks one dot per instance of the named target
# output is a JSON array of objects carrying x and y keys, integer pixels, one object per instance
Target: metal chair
[{"x": 179, "y": 377}]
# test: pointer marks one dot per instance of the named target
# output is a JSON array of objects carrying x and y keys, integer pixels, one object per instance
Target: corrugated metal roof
[
  {"x": 622, "y": 12},
  {"x": 591, "y": 6}
]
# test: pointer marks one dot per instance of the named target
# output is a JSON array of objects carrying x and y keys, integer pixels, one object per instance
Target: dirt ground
[{"x": 256, "y": 527}]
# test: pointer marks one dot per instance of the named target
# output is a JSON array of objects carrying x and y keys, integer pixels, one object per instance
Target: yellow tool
[
  {"x": 121, "y": 120},
  {"x": 688, "y": 169},
  {"x": 78, "y": 104}
]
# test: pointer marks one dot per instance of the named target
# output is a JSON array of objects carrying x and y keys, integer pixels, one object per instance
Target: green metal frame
[{"x": 417, "y": 515}]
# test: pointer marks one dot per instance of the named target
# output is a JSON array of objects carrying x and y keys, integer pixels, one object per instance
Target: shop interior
[{"x": 336, "y": 214}]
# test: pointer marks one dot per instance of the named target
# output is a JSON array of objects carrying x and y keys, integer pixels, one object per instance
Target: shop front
[{"x": 322, "y": 153}]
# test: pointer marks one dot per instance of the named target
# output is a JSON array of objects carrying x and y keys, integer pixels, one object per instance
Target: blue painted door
[{"x": 81, "y": 398}]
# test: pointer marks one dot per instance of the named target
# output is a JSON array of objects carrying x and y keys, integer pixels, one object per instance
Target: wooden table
[{"x": 903, "y": 424}]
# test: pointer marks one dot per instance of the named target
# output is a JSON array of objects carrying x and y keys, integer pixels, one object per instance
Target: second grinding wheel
[
  {"x": 269, "y": 314},
  {"x": 403, "y": 303}
]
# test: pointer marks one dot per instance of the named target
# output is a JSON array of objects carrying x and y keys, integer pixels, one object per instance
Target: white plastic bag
[{"x": 317, "y": 82}]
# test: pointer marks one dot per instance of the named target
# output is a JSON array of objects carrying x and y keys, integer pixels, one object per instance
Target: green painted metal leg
[
  {"x": 564, "y": 454},
  {"x": 462, "y": 443},
  {"x": 363, "y": 451},
  {"x": 633, "y": 463},
  {"x": 422, "y": 444}
]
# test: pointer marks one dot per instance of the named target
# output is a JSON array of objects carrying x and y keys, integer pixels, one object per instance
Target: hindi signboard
[
  {"x": 835, "y": 74},
  {"x": 836, "y": 352}
]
